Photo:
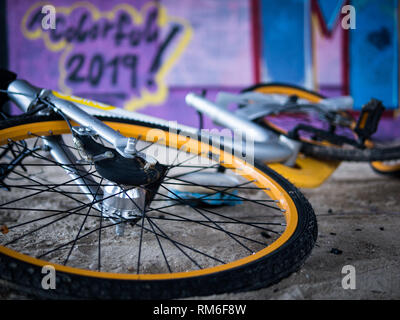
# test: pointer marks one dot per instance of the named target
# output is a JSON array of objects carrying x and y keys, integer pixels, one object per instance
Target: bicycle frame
[
  {"x": 22, "y": 90},
  {"x": 277, "y": 198},
  {"x": 267, "y": 146},
  {"x": 255, "y": 143},
  {"x": 302, "y": 171}
]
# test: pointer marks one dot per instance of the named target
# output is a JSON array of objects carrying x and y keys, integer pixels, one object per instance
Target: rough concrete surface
[
  {"x": 358, "y": 214},
  {"x": 359, "y": 222}
]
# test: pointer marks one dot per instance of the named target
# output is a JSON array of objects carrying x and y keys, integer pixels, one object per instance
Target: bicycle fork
[{"x": 122, "y": 168}]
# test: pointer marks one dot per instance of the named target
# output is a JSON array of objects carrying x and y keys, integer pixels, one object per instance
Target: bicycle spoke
[
  {"x": 140, "y": 245},
  {"x": 83, "y": 223},
  {"x": 43, "y": 218},
  {"x": 205, "y": 216},
  {"x": 178, "y": 244},
  {"x": 220, "y": 215},
  {"x": 183, "y": 219},
  {"x": 69, "y": 214},
  {"x": 99, "y": 245},
  {"x": 141, "y": 235},
  {"x": 173, "y": 233},
  {"x": 159, "y": 245},
  {"x": 184, "y": 161},
  {"x": 46, "y": 190},
  {"x": 148, "y": 146},
  {"x": 204, "y": 223},
  {"x": 227, "y": 193},
  {"x": 215, "y": 166},
  {"x": 79, "y": 238}
]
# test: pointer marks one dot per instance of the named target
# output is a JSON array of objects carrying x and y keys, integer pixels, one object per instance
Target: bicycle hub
[{"x": 123, "y": 205}]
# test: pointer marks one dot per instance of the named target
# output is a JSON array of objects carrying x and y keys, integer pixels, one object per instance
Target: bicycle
[
  {"x": 340, "y": 121},
  {"x": 325, "y": 128},
  {"x": 111, "y": 200}
]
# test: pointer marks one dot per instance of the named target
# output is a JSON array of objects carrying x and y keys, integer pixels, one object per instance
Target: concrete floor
[
  {"x": 359, "y": 218},
  {"x": 358, "y": 214}
]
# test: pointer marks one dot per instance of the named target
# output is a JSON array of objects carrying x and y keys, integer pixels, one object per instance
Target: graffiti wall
[
  {"x": 147, "y": 55},
  {"x": 325, "y": 56}
]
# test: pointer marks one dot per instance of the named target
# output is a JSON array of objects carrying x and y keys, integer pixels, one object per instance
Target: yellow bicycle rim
[{"x": 249, "y": 172}]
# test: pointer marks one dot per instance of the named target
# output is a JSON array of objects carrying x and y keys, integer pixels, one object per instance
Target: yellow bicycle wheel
[{"x": 174, "y": 249}]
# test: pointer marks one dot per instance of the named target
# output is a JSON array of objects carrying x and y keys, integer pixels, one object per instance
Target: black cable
[
  {"x": 201, "y": 120},
  {"x": 201, "y": 116},
  {"x": 56, "y": 110}
]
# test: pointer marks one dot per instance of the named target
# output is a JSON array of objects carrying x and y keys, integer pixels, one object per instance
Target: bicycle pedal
[{"x": 367, "y": 123}]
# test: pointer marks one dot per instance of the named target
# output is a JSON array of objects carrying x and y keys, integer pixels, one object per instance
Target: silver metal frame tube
[
  {"x": 273, "y": 150},
  {"x": 83, "y": 118},
  {"x": 267, "y": 146},
  {"x": 68, "y": 162},
  {"x": 23, "y": 94},
  {"x": 228, "y": 119}
]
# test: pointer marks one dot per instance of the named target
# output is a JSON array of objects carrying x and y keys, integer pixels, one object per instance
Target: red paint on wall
[{"x": 256, "y": 28}]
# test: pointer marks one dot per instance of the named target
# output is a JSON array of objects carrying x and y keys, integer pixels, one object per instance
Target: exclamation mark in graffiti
[{"x": 158, "y": 57}]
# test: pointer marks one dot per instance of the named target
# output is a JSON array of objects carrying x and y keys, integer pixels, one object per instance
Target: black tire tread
[{"x": 351, "y": 155}]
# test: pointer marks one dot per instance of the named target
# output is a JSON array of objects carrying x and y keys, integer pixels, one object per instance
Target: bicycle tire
[
  {"x": 316, "y": 149},
  {"x": 353, "y": 155},
  {"x": 386, "y": 169},
  {"x": 260, "y": 271}
]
